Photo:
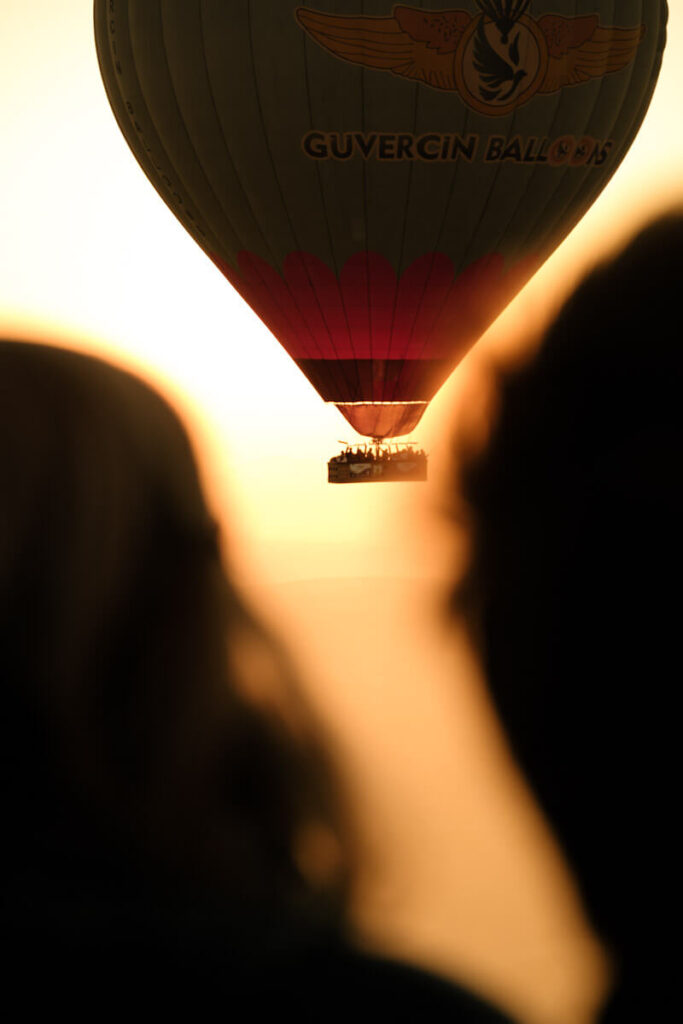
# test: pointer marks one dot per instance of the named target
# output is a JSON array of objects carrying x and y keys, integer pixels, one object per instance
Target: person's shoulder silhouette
[
  {"x": 157, "y": 817},
  {"x": 571, "y": 592}
]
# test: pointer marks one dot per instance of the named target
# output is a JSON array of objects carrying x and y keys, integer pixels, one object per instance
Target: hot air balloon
[{"x": 379, "y": 180}]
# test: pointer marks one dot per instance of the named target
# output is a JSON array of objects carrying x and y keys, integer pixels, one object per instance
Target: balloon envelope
[{"x": 379, "y": 180}]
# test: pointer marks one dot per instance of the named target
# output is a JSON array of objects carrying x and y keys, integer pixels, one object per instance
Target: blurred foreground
[{"x": 458, "y": 871}]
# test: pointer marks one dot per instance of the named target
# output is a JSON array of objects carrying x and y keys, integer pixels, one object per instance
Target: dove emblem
[{"x": 496, "y": 60}]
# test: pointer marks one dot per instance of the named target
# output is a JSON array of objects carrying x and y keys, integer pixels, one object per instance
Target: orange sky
[
  {"x": 90, "y": 251},
  {"x": 91, "y": 256}
]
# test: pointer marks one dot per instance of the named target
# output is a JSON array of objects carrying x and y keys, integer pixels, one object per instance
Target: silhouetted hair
[
  {"x": 572, "y": 589},
  {"x": 127, "y": 744}
]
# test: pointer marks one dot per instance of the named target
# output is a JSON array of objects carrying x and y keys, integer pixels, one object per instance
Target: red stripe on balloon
[
  {"x": 424, "y": 288},
  {"x": 324, "y": 283},
  {"x": 367, "y": 313}
]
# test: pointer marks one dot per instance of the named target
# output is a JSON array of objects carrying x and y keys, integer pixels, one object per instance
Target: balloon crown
[{"x": 504, "y": 13}]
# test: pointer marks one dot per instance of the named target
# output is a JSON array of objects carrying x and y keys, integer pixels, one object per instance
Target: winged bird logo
[
  {"x": 496, "y": 60},
  {"x": 500, "y": 75}
]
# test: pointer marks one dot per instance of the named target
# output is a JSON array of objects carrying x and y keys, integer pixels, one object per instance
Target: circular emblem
[
  {"x": 582, "y": 150},
  {"x": 498, "y": 68}
]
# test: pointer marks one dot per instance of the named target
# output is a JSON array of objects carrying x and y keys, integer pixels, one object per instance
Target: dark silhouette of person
[
  {"x": 172, "y": 842},
  {"x": 572, "y": 593}
]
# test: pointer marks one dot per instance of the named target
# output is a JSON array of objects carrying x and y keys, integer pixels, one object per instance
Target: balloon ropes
[{"x": 379, "y": 180}]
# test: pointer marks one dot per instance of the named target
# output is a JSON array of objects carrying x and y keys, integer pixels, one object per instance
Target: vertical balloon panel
[
  {"x": 135, "y": 120},
  {"x": 378, "y": 180},
  {"x": 612, "y": 111}
]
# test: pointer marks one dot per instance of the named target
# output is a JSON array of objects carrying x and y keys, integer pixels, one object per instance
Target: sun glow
[
  {"x": 90, "y": 257},
  {"x": 91, "y": 254}
]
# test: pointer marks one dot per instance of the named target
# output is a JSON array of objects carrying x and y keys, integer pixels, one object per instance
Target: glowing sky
[
  {"x": 91, "y": 256},
  {"x": 90, "y": 253}
]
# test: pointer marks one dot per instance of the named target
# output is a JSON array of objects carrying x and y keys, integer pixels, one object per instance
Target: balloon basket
[{"x": 378, "y": 462}]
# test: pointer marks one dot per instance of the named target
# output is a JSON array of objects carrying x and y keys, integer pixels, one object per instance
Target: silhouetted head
[
  {"x": 127, "y": 744},
  {"x": 572, "y": 591}
]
